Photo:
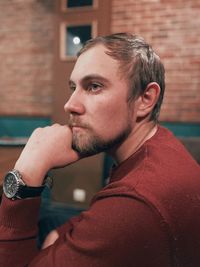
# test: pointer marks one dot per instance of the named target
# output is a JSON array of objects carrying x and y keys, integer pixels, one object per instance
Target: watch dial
[{"x": 10, "y": 185}]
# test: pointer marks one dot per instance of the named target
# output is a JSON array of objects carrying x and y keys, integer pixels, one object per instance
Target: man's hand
[
  {"x": 50, "y": 239},
  {"x": 47, "y": 148}
]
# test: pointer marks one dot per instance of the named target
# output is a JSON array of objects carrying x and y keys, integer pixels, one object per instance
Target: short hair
[{"x": 139, "y": 64}]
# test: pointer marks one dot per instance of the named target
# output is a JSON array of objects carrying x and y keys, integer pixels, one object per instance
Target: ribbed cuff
[{"x": 19, "y": 215}]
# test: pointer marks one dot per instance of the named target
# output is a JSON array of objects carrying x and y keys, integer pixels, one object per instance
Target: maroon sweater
[{"x": 148, "y": 215}]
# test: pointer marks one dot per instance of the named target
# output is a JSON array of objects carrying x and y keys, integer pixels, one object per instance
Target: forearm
[
  {"x": 18, "y": 231},
  {"x": 47, "y": 148}
]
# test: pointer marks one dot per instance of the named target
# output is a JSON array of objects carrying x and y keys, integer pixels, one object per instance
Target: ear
[{"x": 147, "y": 101}]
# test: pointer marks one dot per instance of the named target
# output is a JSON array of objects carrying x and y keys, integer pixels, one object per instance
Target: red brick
[
  {"x": 172, "y": 27},
  {"x": 26, "y": 52},
  {"x": 26, "y": 55}
]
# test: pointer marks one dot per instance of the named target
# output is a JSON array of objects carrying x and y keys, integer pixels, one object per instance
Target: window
[
  {"x": 73, "y": 37},
  {"x": 69, "y": 5},
  {"x": 78, "y": 3}
]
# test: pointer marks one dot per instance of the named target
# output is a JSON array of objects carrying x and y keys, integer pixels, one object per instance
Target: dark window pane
[
  {"x": 79, "y": 3},
  {"x": 75, "y": 37}
]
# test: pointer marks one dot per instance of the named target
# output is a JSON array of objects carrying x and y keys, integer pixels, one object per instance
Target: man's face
[{"x": 100, "y": 115}]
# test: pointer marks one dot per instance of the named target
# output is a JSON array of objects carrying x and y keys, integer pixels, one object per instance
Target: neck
[{"x": 138, "y": 136}]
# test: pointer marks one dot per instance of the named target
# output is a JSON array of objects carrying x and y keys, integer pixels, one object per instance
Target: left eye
[{"x": 94, "y": 87}]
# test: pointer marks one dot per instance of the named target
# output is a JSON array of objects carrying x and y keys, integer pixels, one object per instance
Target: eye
[
  {"x": 72, "y": 87},
  {"x": 94, "y": 87}
]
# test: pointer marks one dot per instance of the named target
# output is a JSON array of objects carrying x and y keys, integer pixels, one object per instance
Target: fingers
[{"x": 47, "y": 148}]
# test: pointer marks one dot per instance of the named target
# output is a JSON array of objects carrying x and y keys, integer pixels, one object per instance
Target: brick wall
[
  {"x": 27, "y": 40},
  {"x": 173, "y": 29},
  {"x": 26, "y": 54}
]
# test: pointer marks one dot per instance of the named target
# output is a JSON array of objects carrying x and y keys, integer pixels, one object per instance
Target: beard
[{"x": 87, "y": 143}]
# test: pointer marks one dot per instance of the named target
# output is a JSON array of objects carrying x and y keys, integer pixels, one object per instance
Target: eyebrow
[{"x": 91, "y": 77}]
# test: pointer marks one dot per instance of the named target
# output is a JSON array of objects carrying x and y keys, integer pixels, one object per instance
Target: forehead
[{"x": 95, "y": 60}]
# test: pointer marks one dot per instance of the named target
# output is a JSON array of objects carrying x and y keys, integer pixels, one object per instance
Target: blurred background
[{"x": 38, "y": 43}]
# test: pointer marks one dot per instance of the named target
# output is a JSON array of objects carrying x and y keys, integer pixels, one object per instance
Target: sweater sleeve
[
  {"x": 116, "y": 231},
  {"x": 18, "y": 231}
]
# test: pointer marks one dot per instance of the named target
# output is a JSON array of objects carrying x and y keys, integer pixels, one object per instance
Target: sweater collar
[{"x": 119, "y": 171}]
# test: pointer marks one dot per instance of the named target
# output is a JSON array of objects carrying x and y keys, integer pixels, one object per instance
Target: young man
[{"x": 149, "y": 213}]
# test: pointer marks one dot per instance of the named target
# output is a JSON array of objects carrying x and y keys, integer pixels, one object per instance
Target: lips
[
  {"x": 75, "y": 123},
  {"x": 76, "y": 127}
]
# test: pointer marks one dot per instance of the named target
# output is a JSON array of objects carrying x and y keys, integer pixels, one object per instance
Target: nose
[{"x": 75, "y": 104}]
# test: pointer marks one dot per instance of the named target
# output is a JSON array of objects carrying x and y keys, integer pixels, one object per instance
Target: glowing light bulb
[{"x": 76, "y": 40}]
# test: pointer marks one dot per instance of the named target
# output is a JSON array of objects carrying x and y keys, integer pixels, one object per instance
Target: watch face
[{"x": 10, "y": 185}]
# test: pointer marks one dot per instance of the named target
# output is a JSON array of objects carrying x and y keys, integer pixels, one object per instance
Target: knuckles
[
  {"x": 53, "y": 126},
  {"x": 52, "y": 132}
]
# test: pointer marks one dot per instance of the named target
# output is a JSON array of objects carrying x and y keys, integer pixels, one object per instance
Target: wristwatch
[{"x": 15, "y": 188}]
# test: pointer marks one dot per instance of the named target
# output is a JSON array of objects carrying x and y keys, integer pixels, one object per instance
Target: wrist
[{"x": 32, "y": 176}]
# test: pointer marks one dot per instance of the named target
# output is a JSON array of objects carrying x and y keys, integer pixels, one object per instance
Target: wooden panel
[{"x": 85, "y": 174}]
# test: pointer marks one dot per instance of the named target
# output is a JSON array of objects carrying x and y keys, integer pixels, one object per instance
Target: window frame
[
  {"x": 66, "y": 9},
  {"x": 63, "y": 32}
]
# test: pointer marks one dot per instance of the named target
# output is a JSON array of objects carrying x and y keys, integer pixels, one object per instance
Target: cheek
[
  {"x": 107, "y": 112},
  {"x": 112, "y": 118}
]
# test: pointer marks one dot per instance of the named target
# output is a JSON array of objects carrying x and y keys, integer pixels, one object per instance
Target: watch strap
[
  {"x": 33, "y": 191},
  {"x": 29, "y": 191}
]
